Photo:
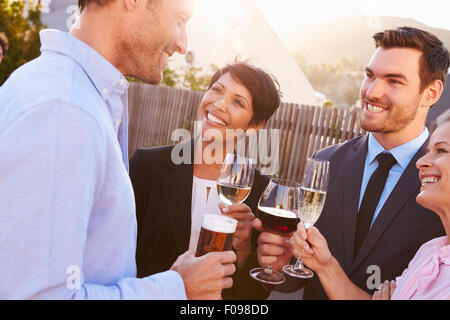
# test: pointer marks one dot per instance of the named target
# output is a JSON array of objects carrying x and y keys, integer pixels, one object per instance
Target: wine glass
[
  {"x": 277, "y": 209},
  {"x": 235, "y": 179},
  {"x": 313, "y": 191}
]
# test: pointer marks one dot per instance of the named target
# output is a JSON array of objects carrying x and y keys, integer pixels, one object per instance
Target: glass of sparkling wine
[
  {"x": 277, "y": 209},
  {"x": 313, "y": 191},
  {"x": 235, "y": 179}
]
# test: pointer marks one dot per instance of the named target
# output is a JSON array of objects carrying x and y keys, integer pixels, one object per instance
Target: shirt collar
[
  {"x": 106, "y": 78},
  {"x": 442, "y": 246},
  {"x": 403, "y": 153}
]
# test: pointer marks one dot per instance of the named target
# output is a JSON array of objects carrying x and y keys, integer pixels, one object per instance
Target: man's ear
[{"x": 432, "y": 93}]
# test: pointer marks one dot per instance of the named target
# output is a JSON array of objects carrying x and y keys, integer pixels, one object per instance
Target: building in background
[{"x": 218, "y": 32}]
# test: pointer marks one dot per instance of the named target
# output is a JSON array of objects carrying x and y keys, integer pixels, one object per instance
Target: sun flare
[{"x": 218, "y": 11}]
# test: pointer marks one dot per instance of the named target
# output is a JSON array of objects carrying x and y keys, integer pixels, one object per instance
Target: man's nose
[
  {"x": 374, "y": 90},
  {"x": 181, "y": 42}
]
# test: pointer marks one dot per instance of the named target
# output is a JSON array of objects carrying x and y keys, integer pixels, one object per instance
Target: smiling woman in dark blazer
[{"x": 171, "y": 199}]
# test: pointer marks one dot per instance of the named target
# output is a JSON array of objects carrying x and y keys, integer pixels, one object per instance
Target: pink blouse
[{"x": 428, "y": 274}]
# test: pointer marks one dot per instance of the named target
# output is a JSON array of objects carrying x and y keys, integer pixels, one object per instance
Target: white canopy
[
  {"x": 221, "y": 30},
  {"x": 218, "y": 32}
]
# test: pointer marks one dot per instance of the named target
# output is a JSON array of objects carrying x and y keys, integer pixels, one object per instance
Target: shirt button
[
  {"x": 121, "y": 82},
  {"x": 105, "y": 91},
  {"x": 117, "y": 123}
]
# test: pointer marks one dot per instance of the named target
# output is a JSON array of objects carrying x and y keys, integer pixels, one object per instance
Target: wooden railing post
[{"x": 156, "y": 111}]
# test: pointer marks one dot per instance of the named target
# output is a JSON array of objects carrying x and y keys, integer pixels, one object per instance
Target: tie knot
[{"x": 386, "y": 160}]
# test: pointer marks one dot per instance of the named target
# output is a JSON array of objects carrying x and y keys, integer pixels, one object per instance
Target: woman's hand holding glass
[
  {"x": 312, "y": 195},
  {"x": 234, "y": 184},
  {"x": 310, "y": 245},
  {"x": 385, "y": 291},
  {"x": 242, "y": 237}
]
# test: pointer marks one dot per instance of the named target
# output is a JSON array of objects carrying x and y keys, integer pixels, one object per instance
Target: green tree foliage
[
  {"x": 340, "y": 82},
  {"x": 188, "y": 77},
  {"x": 194, "y": 80},
  {"x": 22, "y": 33}
]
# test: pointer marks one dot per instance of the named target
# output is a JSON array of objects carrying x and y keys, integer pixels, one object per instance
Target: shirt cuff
[{"x": 171, "y": 284}]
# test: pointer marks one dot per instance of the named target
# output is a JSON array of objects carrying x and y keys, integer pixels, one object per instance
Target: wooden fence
[{"x": 156, "y": 111}]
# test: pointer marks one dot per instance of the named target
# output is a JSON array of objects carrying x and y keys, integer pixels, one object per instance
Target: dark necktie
[{"x": 372, "y": 197}]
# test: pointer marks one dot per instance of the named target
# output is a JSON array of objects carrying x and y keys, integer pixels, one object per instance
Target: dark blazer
[
  {"x": 163, "y": 192},
  {"x": 401, "y": 227}
]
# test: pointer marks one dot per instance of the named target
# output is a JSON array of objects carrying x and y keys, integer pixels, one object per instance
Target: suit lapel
[
  {"x": 176, "y": 184},
  {"x": 404, "y": 189},
  {"x": 351, "y": 189}
]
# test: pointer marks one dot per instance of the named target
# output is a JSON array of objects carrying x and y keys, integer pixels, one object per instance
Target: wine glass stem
[
  {"x": 268, "y": 270},
  {"x": 298, "y": 264}
]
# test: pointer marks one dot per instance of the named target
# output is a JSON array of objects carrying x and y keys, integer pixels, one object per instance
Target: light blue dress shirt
[
  {"x": 67, "y": 210},
  {"x": 403, "y": 154}
]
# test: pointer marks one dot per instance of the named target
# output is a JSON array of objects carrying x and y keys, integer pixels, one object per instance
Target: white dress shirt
[{"x": 67, "y": 210}]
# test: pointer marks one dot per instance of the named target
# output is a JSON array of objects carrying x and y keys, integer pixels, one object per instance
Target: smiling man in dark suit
[{"x": 373, "y": 224}]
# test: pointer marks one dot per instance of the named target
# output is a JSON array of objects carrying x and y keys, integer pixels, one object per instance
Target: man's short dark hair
[
  {"x": 4, "y": 43},
  {"x": 434, "y": 62},
  {"x": 264, "y": 88},
  {"x": 83, "y": 3}
]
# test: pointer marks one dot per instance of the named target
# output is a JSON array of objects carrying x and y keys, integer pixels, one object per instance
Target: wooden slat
[
  {"x": 303, "y": 143},
  {"x": 295, "y": 143},
  {"x": 156, "y": 111}
]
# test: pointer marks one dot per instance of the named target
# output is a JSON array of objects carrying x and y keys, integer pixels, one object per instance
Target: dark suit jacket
[
  {"x": 163, "y": 192},
  {"x": 401, "y": 227}
]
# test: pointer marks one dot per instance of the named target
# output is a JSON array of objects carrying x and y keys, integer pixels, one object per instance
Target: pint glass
[{"x": 216, "y": 234}]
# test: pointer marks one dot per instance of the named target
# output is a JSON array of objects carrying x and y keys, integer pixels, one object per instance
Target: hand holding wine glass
[
  {"x": 277, "y": 210},
  {"x": 242, "y": 236},
  {"x": 312, "y": 196},
  {"x": 234, "y": 184},
  {"x": 311, "y": 246},
  {"x": 274, "y": 249}
]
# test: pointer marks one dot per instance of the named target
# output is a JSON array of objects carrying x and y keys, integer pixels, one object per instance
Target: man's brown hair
[
  {"x": 83, "y": 3},
  {"x": 434, "y": 62}
]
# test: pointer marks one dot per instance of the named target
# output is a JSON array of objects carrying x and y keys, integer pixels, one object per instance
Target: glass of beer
[
  {"x": 313, "y": 191},
  {"x": 216, "y": 234},
  {"x": 277, "y": 209},
  {"x": 235, "y": 179}
]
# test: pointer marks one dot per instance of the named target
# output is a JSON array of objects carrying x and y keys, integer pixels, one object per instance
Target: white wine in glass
[
  {"x": 312, "y": 195},
  {"x": 311, "y": 205},
  {"x": 232, "y": 194},
  {"x": 235, "y": 179}
]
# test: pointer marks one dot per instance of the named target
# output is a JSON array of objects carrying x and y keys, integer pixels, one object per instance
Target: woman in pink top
[{"x": 428, "y": 273}]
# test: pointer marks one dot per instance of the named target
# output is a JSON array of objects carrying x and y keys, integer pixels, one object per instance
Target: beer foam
[{"x": 219, "y": 223}]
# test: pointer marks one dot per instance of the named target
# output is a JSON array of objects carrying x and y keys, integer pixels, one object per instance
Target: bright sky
[{"x": 284, "y": 14}]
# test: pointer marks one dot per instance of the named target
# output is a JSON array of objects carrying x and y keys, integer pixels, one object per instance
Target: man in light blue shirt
[{"x": 67, "y": 211}]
